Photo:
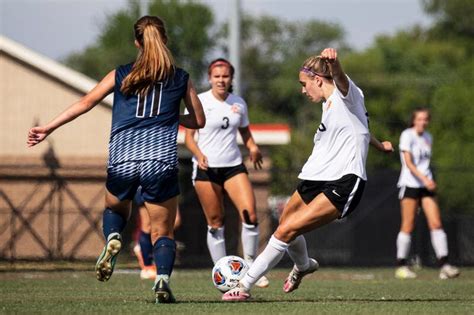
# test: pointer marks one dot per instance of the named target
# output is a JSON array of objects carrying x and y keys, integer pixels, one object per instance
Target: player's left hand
[
  {"x": 256, "y": 158},
  {"x": 36, "y": 135}
]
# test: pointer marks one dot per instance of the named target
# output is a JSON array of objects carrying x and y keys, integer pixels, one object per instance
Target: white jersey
[
  {"x": 342, "y": 140},
  {"x": 419, "y": 146},
  {"x": 218, "y": 139}
]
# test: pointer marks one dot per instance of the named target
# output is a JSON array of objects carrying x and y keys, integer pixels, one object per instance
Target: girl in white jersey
[
  {"x": 218, "y": 163},
  {"x": 333, "y": 178},
  {"x": 417, "y": 188}
]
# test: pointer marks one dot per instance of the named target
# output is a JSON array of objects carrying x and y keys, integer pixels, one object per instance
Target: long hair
[{"x": 154, "y": 62}]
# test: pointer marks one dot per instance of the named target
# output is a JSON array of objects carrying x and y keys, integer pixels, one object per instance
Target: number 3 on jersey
[
  {"x": 152, "y": 100},
  {"x": 226, "y": 123}
]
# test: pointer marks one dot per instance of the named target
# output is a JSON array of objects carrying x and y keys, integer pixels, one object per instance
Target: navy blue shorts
[{"x": 159, "y": 181}]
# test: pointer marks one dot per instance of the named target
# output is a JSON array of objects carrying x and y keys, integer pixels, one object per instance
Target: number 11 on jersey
[{"x": 155, "y": 96}]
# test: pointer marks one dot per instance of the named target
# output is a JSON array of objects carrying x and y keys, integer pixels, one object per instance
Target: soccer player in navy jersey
[{"x": 143, "y": 145}]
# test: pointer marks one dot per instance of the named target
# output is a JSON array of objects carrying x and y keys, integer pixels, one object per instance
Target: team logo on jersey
[
  {"x": 218, "y": 277},
  {"x": 322, "y": 127},
  {"x": 236, "y": 108},
  {"x": 235, "y": 266}
]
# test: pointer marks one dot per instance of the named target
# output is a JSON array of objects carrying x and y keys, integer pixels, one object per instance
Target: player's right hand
[
  {"x": 202, "y": 162},
  {"x": 430, "y": 184},
  {"x": 36, "y": 135}
]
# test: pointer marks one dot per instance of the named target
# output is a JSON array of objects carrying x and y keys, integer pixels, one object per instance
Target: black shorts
[
  {"x": 415, "y": 193},
  {"x": 217, "y": 175},
  {"x": 344, "y": 193}
]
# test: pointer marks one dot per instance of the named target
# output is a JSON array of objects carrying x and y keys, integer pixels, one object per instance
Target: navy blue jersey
[{"x": 146, "y": 128}]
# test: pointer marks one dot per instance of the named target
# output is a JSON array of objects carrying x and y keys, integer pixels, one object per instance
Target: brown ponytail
[{"x": 154, "y": 62}]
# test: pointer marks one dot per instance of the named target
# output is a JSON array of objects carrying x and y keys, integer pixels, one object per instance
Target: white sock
[
  {"x": 439, "y": 241},
  {"x": 250, "y": 241},
  {"x": 216, "y": 243},
  {"x": 270, "y": 256},
  {"x": 113, "y": 235},
  {"x": 164, "y": 277},
  {"x": 299, "y": 253},
  {"x": 403, "y": 245}
]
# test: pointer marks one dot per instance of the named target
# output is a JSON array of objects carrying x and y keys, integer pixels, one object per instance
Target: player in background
[
  {"x": 143, "y": 248},
  {"x": 142, "y": 148},
  {"x": 333, "y": 178},
  {"x": 218, "y": 166},
  {"x": 417, "y": 188}
]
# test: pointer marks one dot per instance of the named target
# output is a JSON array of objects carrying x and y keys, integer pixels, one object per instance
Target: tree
[
  {"x": 453, "y": 17},
  {"x": 272, "y": 53},
  {"x": 189, "y": 30}
]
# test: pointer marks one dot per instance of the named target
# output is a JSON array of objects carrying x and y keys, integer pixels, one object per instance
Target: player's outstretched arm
[
  {"x": 340, "y": 78},
  {"x": 85, "y": 104},
  {"x": 384, "y": 146},
  {"x": 196, "y": 118},
  {"x": 255, "y": 155}
]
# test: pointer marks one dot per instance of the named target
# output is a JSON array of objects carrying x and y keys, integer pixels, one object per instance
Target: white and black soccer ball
[{"x": 228, "y": 271}]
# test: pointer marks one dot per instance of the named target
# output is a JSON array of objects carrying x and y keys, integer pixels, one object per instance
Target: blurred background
[{"x": 403, "y": 54}]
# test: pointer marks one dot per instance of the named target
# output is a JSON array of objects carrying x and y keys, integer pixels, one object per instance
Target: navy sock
[
  {"x": 112, "y": 222},
  {"x": 146, "y": 248},
  {"x": 164, "y": 252}
]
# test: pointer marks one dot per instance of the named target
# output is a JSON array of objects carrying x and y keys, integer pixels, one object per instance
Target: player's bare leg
[
  {"x": 115, "y": 216},
  {"x": 211, "y": 197},
  {"x": 439, "y": 240},
  {"x": 241, "y": 193},
  {"x": 408, "y": 212}
]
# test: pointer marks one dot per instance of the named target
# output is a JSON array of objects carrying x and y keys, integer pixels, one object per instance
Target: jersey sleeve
[
  {"x": 354, "y": 94},
  {"x": 405, "y": 142},
  {"x": 244, "y": 120}
]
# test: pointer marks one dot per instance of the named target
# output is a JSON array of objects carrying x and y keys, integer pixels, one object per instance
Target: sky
[{"x": 57, "y": 28}]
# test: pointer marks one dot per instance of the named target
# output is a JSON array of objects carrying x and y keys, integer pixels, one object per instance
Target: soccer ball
[{"x": 228, "y": 271}]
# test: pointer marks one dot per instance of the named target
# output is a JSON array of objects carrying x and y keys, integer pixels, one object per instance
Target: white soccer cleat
[
  {"x": 293, "y": 280},
  {"x": 448, "y": 272},
  {"x": 262, "y": 282},
  {"x": 404, "y": 272}
]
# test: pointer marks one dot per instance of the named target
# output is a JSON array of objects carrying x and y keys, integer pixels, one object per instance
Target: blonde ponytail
[
  {"x": 315, "y": 65},
  {"x": 155, "y": 62}
]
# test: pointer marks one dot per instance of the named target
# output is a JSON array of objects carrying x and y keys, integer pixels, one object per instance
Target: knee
[{"x": 285, "y": 233}]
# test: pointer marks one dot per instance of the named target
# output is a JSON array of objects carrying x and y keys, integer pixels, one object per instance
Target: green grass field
[{"x": 328, "y": 291}]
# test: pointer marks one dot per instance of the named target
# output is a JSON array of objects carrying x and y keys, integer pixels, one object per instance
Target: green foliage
[
  {"x": 417, "y": 67},
  {"x": 273, "y": 51},
  {"x": 454, "y": 17},
  {"x": 410, "y": 70},
  {"x": 188, "y": 25}
]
